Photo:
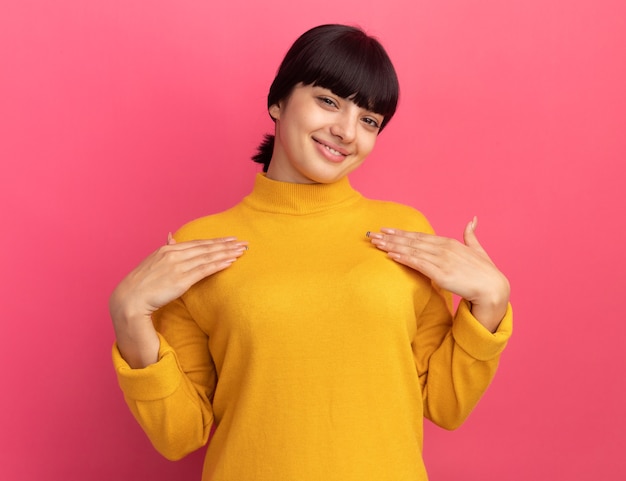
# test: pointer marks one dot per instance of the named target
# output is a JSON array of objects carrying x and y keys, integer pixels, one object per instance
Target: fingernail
[{"x": 367, "y": 234}]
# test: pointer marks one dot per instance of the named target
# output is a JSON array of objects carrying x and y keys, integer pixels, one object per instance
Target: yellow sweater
[{"x": 315, "y": 357}]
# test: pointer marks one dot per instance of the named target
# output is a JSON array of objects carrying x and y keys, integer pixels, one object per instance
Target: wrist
[
  {"x": 139, "y": 352},
  {"x": 489, "y": 309},
  {"x": 123, "y": 312},
  {"x": 136, "y": 337},
  {"x": 489, "y": 317}
]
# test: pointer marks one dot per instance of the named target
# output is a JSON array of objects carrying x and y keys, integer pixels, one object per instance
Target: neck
[{"x": 299, "y": 199}]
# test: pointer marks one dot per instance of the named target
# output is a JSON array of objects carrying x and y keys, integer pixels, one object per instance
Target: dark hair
[{"x": 342, "y": 59}]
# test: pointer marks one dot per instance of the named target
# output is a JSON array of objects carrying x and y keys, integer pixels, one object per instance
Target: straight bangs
[
  {"x": 363, "y": 75},
  {"x": 344, "y": 60}
]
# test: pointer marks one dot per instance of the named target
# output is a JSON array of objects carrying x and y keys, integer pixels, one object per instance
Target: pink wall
[{"x": 122, "y": 120}]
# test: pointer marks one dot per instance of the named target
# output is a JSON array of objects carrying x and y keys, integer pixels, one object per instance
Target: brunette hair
[{"x": 340, "y": 58}]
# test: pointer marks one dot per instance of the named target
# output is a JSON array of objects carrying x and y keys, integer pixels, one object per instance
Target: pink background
[{"x": 122, "y": 120}]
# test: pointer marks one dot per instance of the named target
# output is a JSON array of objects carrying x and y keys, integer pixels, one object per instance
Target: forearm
[
  {"x": 490, "y": 308},
  {"x": 138, "y": 346},
  {"x": 489, "y": 315},
  {"x": 175, "y": 415},
  {"x": 455, "y": 384},
  {"x": 459, "y": 371},
  {"x": 135, "y": 335}
]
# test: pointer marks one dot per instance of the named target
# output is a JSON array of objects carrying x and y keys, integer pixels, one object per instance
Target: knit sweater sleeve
[
  {"x": 456, "y": 358},
  {"x": 171, "y": 399}
]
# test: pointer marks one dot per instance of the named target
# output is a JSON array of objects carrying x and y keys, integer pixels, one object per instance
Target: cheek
[
  {"x": 368, "y": 145},
  {"x": 287, "y": 136}
]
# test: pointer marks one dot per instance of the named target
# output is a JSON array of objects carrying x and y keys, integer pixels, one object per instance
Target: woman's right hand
[{"x": 163, "y": 276}]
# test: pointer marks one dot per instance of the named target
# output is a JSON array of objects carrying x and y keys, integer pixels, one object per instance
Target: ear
[{"x": 274, "y": 111}]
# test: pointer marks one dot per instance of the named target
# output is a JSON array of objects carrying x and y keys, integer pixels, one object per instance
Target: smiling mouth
[{"x": 330, "y": 149}]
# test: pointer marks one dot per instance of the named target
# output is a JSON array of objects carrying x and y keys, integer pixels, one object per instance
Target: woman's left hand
[{"x": 464, "y": 269}]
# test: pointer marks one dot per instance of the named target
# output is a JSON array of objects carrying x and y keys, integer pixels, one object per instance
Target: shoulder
[{"x": 207, "y": 227}]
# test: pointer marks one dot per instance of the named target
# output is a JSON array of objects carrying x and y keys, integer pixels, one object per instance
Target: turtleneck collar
[{"x": 299, "y": 199}]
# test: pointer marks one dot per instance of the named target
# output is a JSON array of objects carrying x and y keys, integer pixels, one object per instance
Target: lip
[{"x": 322, "y": 147}]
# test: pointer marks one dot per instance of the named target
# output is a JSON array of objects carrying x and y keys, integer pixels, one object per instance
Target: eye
[
  {"x": 327, "y": 101},
  {"x": 371, "y": 122}
]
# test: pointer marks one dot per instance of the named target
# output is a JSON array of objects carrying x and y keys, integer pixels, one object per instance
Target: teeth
[{"x": 333, "y": 151}]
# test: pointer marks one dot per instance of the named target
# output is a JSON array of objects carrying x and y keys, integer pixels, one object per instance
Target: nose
[{"x": 345, "y": 126}]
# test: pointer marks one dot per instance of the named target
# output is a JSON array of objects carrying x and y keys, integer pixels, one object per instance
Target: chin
[
  {"x": 328, "y": 174},
  {"x": 326, "y": 178}
]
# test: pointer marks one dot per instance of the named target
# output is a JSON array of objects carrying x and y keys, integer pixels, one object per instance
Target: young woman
[{"x": 312, "y": 341}]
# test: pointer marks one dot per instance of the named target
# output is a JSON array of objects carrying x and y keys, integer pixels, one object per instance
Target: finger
[
  {"x": 173, "y": 258},
  {"x": 469, "y": 235},
  {"x": 207, "y": 255},
  {"x": 215, "y": 240},
  {"x": 203, "y": 271},
  {"x": 412, "y": 243},
  {"x": 201, "y": 243},
  {"x": 407, "y": 237},
  {"x": 431, "y": 267},
  {"x": 412, "y": 249},
  {"x": 405, "y": 246},
  {"x": 401, "y": 233},
  {"x": 424, "y": 262},
  {"x": 203, "y": 266}
]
